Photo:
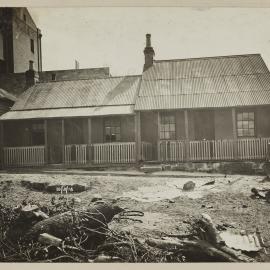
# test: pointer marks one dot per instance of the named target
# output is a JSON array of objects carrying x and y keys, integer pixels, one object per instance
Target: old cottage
[{"x": 203, "y": 109}]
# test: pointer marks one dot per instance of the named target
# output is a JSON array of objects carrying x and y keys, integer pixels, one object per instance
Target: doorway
[{"x": 55, "y": 141}]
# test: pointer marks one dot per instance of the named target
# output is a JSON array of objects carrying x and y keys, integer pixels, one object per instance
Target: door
[
  {"x": 55, "y": 141},
  {"x": 204, "y": 125}
]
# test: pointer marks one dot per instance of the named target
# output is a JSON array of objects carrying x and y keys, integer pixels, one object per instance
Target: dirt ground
[{"x": 167, "y": 209}]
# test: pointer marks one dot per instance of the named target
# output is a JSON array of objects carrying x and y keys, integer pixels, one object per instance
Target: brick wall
[
  {"x": 23, "y": 32},
  {"x": 74, "y": 74},
  {"x": 13, "y": 83}
]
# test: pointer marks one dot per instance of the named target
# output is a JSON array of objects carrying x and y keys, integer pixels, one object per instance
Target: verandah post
[
  {"x": 138, "y": 139},
  {"x": 63, "y": 140},
  {"x": 158, "y": 137},
  {"x": 46, "y": 150},
  {"x": 235, "y": 152},
  {"x": 186, "y": 135},
  {"x": 89, "y": 138}
]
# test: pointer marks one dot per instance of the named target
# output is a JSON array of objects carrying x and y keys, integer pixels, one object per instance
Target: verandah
[{"x": 119, "y": 140}]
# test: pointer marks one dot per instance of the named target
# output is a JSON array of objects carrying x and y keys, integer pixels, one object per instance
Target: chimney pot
[
  {"x": 148, "y": 53},
  {"x": 148, "y": 40},
  {"x": 31, "y": 65},
  {"x": 31, "y": 77}
]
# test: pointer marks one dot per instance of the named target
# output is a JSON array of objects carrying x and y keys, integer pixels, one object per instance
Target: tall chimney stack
[
  {"x": 148, "y": 53},
  {"x": 31, "y": 76}
]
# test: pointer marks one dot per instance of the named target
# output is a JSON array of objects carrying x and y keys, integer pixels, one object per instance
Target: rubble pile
[{"x": 82, "y": 234}]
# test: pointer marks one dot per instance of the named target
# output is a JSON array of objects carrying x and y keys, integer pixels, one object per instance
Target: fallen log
[
  {"x": 93, "y": 221},
  {"x": 200, "y": 249}
]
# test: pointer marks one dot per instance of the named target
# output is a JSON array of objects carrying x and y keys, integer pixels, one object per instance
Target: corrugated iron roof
[
  {"x": 80, "y": 93},
  {"x": 212, "y": 82},
  {"x": 71, "y": 112},
  {"x": 6, "y": 95}
]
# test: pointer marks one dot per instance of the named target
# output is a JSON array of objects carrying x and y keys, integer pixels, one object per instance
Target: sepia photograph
[{"x": 134, "y": 134}]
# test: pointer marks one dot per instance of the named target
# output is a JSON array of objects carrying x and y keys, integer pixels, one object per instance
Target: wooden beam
[
  {"x": 138, "y": 139},
  {"x": 186, "y": 135},
  {"x": 63, "y": 140},
  {"x": 158, "y": 138},
  {"x": 89, "y": 139},
  {"x": 2, "y": 144},
  {"x": 46, "y": 158}
]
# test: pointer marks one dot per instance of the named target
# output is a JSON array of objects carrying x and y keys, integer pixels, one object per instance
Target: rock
[
  {"x": 39, "y": 186},
  {"x": 79, "y": 188},
  {"x": 188, "y": 186},
  {"x": 171, "y": 201},
  {"x": 244, "y": 206},
  {"x": 96, "y": 197},
  {"x": 50, "y": 240}
]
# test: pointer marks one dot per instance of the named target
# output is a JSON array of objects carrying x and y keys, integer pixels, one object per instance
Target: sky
[{"x": 115, "y": 37}]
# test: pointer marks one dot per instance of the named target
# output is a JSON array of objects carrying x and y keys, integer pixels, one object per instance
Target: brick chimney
[
  {"x": 148, "y": 53},
  {"x": 31, "y": 76}
]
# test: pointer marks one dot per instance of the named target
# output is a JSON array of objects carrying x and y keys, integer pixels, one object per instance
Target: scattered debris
[
  {"x": 261, "y": 193},
  {"x": 245, "y": 242},
  {"x": 50, "y": 240},
  {"x": 209, "y": 183},
  {"x": 188, "y": 186}
]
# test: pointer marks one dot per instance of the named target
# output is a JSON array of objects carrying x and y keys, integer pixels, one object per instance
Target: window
[
  {"x": 245, "y": 124},
  {"x": 53, "y": 77},
  {"x": 38, "y": 134},
  {"x": 112, "y": 130},
  {"x": 32, "y": 45},
  {"x": 167, "y": 127}
]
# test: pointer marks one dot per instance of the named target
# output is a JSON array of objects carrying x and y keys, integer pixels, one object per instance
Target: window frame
[
  {"x": 32, "y": 45},
  {"x": 111, "y": 120},
  {"x": 37, "y": 129},
  {"x": 248, "y": 120},
  {"x": 162, "y": 127},
  {"x": 53, "y": 77}
]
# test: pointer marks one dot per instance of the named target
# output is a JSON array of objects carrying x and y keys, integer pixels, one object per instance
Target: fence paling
[
  {"x": 24, "y": 156},
  {"x": 246, "y": 149},
  {"x": 80, "y": 154},
  {"x": 114, "y": 152}
]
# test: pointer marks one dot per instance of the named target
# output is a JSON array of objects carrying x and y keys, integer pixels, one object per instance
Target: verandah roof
[
  {"x": 77, "y": 98},
  {"x": 70, "y": 112},
  {"x": 213, "y": 82}
]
